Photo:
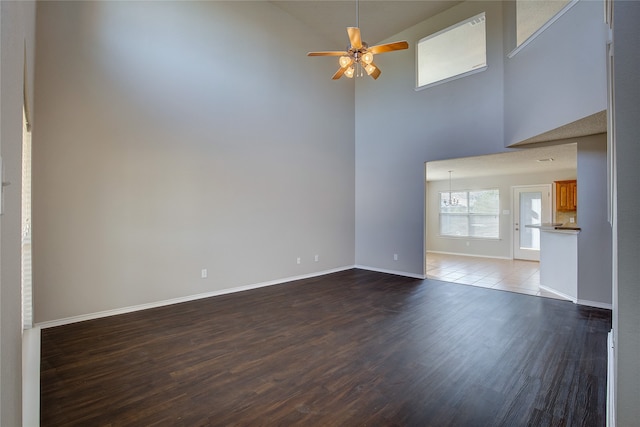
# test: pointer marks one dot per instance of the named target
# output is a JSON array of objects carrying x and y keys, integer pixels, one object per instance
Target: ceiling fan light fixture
[
  {"x": 359, "y": 56},
  {"x": 350, "y": 72},
  {"x": 345, "y": 61},
  {"x": 369, "y": 68}
]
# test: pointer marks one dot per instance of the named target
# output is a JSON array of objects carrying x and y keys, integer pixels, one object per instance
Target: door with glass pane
[{"x": 531, "y": 206}]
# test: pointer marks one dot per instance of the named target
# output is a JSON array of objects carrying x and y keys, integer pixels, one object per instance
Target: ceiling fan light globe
[
  {"x": 350, "y": 72},
  {"x": 367, "y": 58},
  {"x": 345, "y": 61},
  {"x": 369, "y": 68}
]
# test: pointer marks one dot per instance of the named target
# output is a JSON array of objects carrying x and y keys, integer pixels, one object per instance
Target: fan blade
[
  {"x": 382, "y": 48},
  {"x": 339, "y": 73},
  {"x": 354, "y": 37},
  {"x": 329, "y": 53},
  {"x": 376, "y": 72}
]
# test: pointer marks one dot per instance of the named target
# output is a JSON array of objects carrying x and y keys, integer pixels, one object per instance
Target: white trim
[
  {"x": 611, "y": 129},
  {"x": 453, "y": 27},
  {"x": 449, "y": 79},
  {"x": 611, "y": 389},
  {"x": 123, "y": 310},
  {"x": 31, "y": 377},
  {"x": 470, "y": 255},
  {"x": 480, "y": 239},
  {"x": 595, "y": 304},
  {"x": 396, "y": 272},
  {"x": 560, "y": 294},
  {"x": 540, "y": 30}
]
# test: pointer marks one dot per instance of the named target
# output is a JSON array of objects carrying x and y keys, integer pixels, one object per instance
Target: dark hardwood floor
[{"x": 353, "y": 348}]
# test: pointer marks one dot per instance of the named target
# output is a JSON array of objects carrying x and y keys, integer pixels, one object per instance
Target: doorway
[{"x": 531, "y": 207}]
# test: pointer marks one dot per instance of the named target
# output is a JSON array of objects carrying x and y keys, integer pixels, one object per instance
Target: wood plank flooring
[{"x": 353, "y": 348}]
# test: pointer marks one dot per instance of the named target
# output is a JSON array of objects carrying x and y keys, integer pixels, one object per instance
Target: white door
[{"x": 531, "y": 206}]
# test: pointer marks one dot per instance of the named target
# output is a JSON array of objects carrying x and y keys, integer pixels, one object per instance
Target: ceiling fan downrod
[{"x": 358, "y": 57}]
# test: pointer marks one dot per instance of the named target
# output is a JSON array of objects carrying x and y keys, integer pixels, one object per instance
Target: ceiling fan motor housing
[{"x": 357, "y": 53}]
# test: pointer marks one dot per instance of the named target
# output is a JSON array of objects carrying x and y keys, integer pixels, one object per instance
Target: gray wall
[
  {"x": 558, "y": 78},
  {"x": 501, "y": 248},
  {"x": 17, "y": 44},
  {"x": 177, "y": 136},
  {"x": 398, "y": 129},
  {"x": 626, "y": 307},
  {"x": 594, "y": 241}
]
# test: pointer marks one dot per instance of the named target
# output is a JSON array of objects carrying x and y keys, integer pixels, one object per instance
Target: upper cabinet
[{"x": 566, "y": 195}]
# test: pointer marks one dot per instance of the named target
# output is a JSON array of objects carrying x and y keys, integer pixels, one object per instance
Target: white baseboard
[
  {"x": 578, "y": 301},
  {"x": 114, "y": 312},
  {"x": 469, "y": 255},
  {"x": 595, "y": 304},
  {"x": 31, "y": 377},
  {"x": 611, "y": 401},
  {"x": 560, "y": 294},
  {"x": 397, "y": 273}
]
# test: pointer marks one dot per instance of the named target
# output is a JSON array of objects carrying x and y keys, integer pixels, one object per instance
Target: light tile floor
[{"x": 507, "y": 275}]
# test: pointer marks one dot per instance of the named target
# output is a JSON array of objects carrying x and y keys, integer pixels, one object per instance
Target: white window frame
[
  {"x": 468, "y": 215},
  {"x": 457, "y": 76}
]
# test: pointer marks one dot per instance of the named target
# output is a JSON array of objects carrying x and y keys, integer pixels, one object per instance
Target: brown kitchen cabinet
[{"x": 566, "y": 195}]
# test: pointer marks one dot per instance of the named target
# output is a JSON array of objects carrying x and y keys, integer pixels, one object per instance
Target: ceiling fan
[{"x": 359, "y": 56}]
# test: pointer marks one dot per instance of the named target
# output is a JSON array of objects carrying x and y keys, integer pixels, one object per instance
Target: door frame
[{"x": 515, "y": 207}]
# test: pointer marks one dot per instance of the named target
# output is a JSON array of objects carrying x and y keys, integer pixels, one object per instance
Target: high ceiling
[{"x": 378, "y": 19}]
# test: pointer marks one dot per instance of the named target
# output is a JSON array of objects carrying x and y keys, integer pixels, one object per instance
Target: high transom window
[{"x": 452, "y": 53}]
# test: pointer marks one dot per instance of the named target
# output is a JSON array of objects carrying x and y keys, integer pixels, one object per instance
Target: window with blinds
[
  {"x": 470, "y": 214},
  {"x": 27, "y": 293}
]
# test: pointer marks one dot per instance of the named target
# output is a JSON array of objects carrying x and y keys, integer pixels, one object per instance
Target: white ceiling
[
  {"x": 511, "y": 163},
  {"x": 379, "y": 19}
]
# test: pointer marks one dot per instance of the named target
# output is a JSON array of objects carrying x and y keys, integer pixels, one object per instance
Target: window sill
[
  {"x": 459, "y": 76},
  {"x": 441, "y": 236}
]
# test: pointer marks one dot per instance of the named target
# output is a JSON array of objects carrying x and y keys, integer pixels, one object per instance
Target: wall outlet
[
  {"x": 572, "y": 220},
  {"x": 395, "y": 257},
  {"x": 468, "y": 244},
  {"x": 203, "y": 273},
  {"x": 298, "y": 260},
  {"x": 316, "y": 258}
]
